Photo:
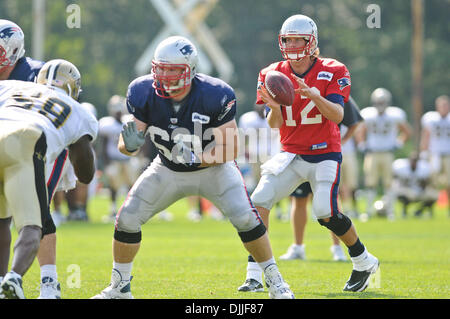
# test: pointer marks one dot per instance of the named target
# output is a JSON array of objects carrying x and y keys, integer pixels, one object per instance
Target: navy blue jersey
[
  {"x": 210, "y": 103},
  {"x": 26, "y": 69}
]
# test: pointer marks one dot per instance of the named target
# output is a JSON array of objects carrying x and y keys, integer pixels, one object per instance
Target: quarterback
[{"x": 311, "y": 143}]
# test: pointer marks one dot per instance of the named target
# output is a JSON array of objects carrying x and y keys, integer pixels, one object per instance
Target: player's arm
[
  {"x": 405, "y": 132},
  {"x": 332, "y": 111},
  {"x": 140, "y": 129},
  {"x": 350, "y": 131},
  {"x": 274, "y": 116},
  {"x": 425, "y": 139},
  {"x": 81, "y": 156},
  {"x": 225, "y": 147},
  {"x": 360, "y": 137}
]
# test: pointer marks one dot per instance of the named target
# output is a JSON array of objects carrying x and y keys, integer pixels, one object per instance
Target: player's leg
[
  {"x": 228, "y": 192},
  {"x": 112, "y": 174},
  {"x": 349, "y": 184},
  {"x": 299, "y": 217},
  {"x": 155, "y": 190},
  {"x": 336, "y": 249},
  {"x": 270, "y": 189},
  {"x": 325, "y": 186},
  {"x": 5, "y": 234},
  {"x": 370, "y": 182},
  {"x": 24, "y": 178},
  {"x": 386, "y": 176},
  {"x": 50, "y": 287}
]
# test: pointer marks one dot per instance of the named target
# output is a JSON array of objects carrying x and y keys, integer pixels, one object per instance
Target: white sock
[
  {"x": 124, "y": 269},
  {"x": 267, "y": 263},
  {"x": 49, "y": 271},
  {"x": 254, "y": 271},
  {"x": 363, "y": 261}
]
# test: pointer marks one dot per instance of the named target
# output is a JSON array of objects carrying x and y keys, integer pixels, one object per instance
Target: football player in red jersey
[{"x": 311, "y": 143}]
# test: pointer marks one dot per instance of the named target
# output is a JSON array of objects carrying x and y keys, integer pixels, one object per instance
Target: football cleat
[
  {"x": 338, "y": 253},
  {"x": 12, "y": 286},
  {"x": 117, "y": 289},
  {"x": 50, "y": 289},
  {"x": 359, "y": 280},
  {"x": 251, "y": 285},
  {"x": 278, "y": 288},
  {"x": 294, "y": 252}
]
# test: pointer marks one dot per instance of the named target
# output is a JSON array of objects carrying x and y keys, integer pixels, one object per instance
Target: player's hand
[
  {"x": 132, "y": 138},
  {"x": 304, "y": 89},
  {"x": 267, "y": 99}
]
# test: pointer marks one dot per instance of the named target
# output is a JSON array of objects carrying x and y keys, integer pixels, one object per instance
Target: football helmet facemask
[
  {"x": 61, "y": 74},
  {"x": 12, "y": 43},
  {"x": 174, "y": 66},
  {"x": 298, "y": 26}
]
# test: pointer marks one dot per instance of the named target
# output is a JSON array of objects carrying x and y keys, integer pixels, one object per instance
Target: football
[{"x": 280, "y": 87}]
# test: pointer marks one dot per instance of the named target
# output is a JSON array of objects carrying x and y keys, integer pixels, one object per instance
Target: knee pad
[
  {"x": 245, "y": 221},
  {"x": 127, "y": 222},
  {"x": 129, "y": 238},
  {"x": 263, "y": 195},
  {"x": 249, "y": 225},
  {"x": 339, "y": 224}
]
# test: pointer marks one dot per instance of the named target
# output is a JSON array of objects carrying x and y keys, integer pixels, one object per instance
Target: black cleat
[
  {"x": 251, "y": 285},
  {"x": 359, "y": 280}
]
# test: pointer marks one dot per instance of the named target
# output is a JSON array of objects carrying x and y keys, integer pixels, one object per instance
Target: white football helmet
[
  {"x": 381, "y": 99},
  {"x": 12, "y": 43},
  {"x": 174, "y": 53},
  {"x": 116, "y": 104},
  {"x": 61, "y": 74},
  {"x": 90, "y": 108},
  {"x": 298, "y": 26}
]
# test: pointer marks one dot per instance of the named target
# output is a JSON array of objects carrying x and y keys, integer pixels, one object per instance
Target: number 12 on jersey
[{"x": 304, "y": 113}]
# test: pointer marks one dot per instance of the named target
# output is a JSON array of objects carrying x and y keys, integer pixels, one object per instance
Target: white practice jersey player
[
  {"x": 413, "y": 184},
  {"x": 439, "y": 128},
  {"x": 382, "y": 129},
  {"x": 263, "y": 141},
  {"x": 110, "y": 128},
  {"x": 62, "y": 119}
]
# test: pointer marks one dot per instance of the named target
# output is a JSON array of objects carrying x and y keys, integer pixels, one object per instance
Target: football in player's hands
[{"x": 280, "y": 87}]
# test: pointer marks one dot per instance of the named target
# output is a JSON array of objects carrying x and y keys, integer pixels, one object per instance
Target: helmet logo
[
  {"x": 187, "y": 49},
  {"x": 8, "y": 32}
]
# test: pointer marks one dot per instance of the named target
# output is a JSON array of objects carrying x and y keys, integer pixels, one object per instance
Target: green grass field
[{"x": 206, "y": 260}]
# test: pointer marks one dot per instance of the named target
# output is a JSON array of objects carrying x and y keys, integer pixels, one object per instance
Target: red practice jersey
[{"x": 305, "y": 130}]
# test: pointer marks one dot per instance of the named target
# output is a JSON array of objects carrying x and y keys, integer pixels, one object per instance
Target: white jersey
[
  {"x": 382, "y": 129},
  {"x": 406, "y": 177},
  {"x": 349, "y": 146},
  {"x": 62, "y": 119},
  {"x": 439, "y": 128},
  {"x": 263, "y": 140},
  {"x": 110, "y": 129}
]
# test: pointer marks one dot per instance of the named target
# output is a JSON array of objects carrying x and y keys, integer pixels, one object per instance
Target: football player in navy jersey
[
  {"x": 190, "y": 118},
  {"x": 14, "y": 65}
]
